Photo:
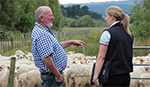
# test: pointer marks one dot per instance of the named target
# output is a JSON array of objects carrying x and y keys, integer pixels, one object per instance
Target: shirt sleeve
[
  {"x": 105, "y": 38},
  {"x": 44, "y": 46}
]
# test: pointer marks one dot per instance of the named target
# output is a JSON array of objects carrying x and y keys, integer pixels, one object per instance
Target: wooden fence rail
[{"x": 17, "y": 41}]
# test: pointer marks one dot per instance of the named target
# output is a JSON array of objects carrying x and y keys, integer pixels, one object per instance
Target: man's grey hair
[{"x": 40, "y": 11}]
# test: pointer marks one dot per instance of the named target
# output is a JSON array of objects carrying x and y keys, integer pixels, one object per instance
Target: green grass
[
  {"x": 92, "y": 41},
  {"x": 19, "y": 47},
  {"x": 142, "y": 52}
]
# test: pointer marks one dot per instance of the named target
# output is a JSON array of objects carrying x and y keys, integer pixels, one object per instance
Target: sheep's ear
[
  {"x": 18, "y": 67},
  {"x": 147, "y": 69},
  {"x": 8, "y": 67},
  {"x": 1, "y": 68},
  {"x": 27, "y": 78},
  {"x": 141, "y": 61}
]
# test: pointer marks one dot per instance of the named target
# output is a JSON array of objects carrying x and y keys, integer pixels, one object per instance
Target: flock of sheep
[{"x": 77, "y": 73}]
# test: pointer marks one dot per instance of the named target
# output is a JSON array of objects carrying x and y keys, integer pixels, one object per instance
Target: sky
[{"x": 83, "y": 1}]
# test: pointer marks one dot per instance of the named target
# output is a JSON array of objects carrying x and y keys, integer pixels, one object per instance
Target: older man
[{"x": 49, "y": 54}]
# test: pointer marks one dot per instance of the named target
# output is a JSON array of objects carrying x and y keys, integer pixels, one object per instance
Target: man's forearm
[
  {"x": 51, "y": 66},
  {"x": 66, "y": 43}
]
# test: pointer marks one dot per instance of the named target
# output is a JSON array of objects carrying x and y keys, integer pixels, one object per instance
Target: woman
[{"x": 115, "y": 45}]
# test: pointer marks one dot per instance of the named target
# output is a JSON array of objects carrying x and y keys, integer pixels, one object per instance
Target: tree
[
  {"x": 75, "y": 11},
  {"x": 3, "y": 37},
  {"x": 95, "y": 15},
  {"x": 140, "y": 13},
  {"x": 10, "y": 10},
  {"x": 86, "y": 21},
  {"x": 84, "y": 11},
  {"x": 55, "y": 6}
]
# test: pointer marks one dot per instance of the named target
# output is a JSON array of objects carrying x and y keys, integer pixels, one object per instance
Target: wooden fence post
[
  {"x": 83, "y": 49},
  {"x": 85, "y": 32},
  {"x": 2, "y": 49},
  {"x": 11, "y": 42},
  {"x": 11, "y": 73}
]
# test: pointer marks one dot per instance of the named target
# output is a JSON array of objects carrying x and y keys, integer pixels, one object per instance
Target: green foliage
[
  {"x": 140, "y": 13},
  {"x": 25, "y": 24},
  {"x": 100, "y": 23},
  {"x": 76, "y": 11},
  {"x": 19, "y": 14},
  {"x": 3, "y": 34},
  {"x": 54, "y": 4},
  {"x": 10, "y": 10},
  {"x": 86, "y": 21},
  {"x": 83, "y": 11},
  {"x": 68, "y": 21}
]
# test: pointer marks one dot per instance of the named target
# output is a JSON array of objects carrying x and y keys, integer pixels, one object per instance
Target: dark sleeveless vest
[{"x": 120, "y": 50}]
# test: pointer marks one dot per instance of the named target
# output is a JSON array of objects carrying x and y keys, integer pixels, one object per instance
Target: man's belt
[{"x": 50, "y": 73}]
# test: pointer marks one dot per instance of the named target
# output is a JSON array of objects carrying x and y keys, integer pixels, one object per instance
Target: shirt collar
[
  {"x": 114, "y": 23},
  {"x": 41, "y": 26}
]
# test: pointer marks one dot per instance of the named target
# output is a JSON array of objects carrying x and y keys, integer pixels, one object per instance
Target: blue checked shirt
[{"x": 44, "y": 43}]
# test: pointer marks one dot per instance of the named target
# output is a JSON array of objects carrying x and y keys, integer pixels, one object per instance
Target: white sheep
[
  {"x": 143, "y": 82},
  {"x": 22, "y": 81},
  {"x": 137, "y": 73},
  {"x": 82, "y": 77},
  {"x": 30, "y": 56},
  {"x": 70, "y": 52},
  {"x": 24, "y": 61},
  {"x": 4, "y": 79},
  {"x": 30, "y": 79},
  {"x": 23, "y": 68},
  {"x": 20, "y": 55},
  {"x": 148, "y": 55}
]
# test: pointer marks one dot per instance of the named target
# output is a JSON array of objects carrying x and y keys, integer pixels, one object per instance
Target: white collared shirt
[{"x": 105, "y": 37}]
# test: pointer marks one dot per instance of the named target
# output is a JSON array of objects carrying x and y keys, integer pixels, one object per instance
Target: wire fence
[{"x": 74, "y": 75}]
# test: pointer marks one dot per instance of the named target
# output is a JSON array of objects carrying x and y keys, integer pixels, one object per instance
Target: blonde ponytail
[{"x": 125, "y": 22}]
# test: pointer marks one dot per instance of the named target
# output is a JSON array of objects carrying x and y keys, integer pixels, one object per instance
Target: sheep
[
  {"x": 76, "y": 55},
  {"x": 5, "y": 58},
  {"x": 22, "y": 81},
  {"x": 141, "y": 60},
  {"x": 24, "y": 61},
  {"x": 20, "y": 55},
  {"x": 30, "y": 56},
  {"x": 136, "y": 73},
  {"x": 33, "y": 78},
  {"x": 70, "y": 52},
  {"x": 83, "y": 73},
  {"x": 90, "y": 62},
  {"x": 1, "y": 73},
  {"x": 23, "y": 68},
  {"x": 4, "y": 79},
  {"x": 148, "y": 55},
  {"x": 143, "y": 82},
  {"x": 138, "y": 60},
  {"x": 73, "y": 61},
  {"x": 30, "y": 79}
]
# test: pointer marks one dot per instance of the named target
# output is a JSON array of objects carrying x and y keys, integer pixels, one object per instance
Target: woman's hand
[{"x": 96, "y": 82}]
